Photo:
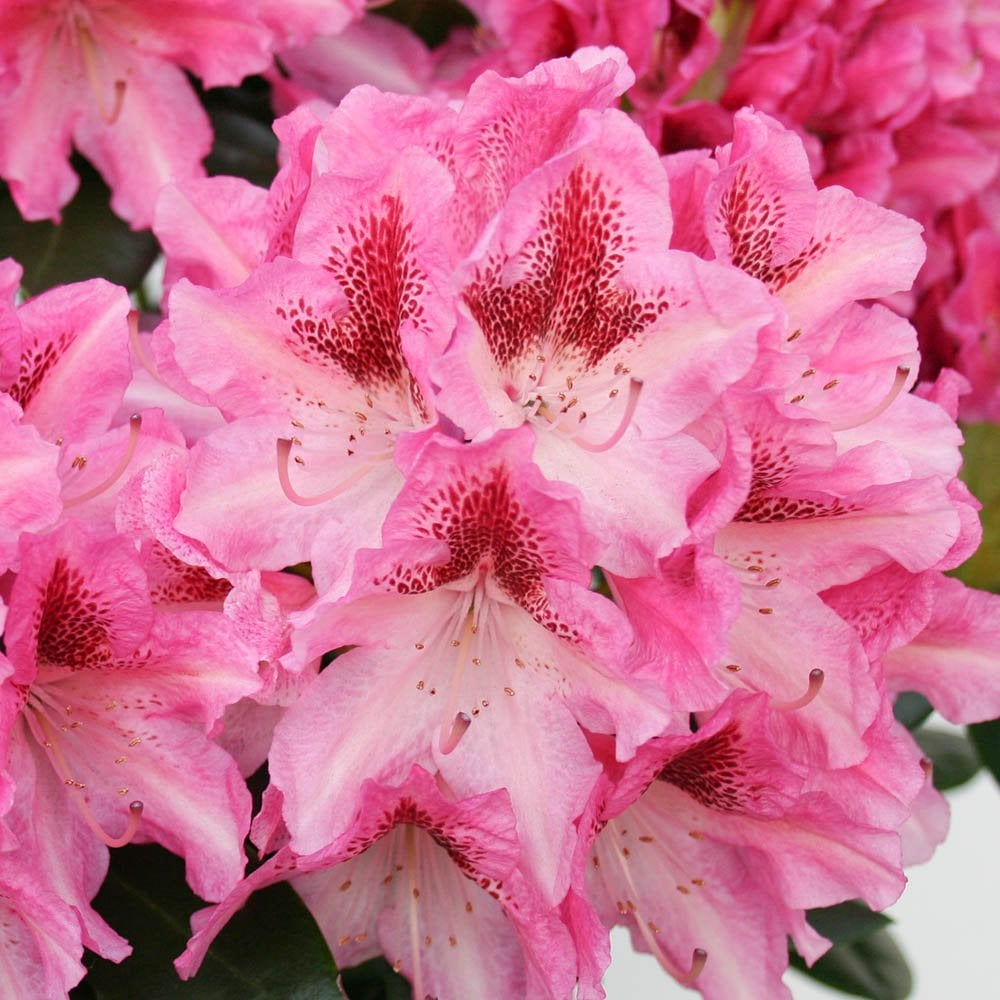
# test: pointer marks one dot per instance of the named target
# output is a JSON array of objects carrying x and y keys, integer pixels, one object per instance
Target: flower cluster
[
  {"x": 897, "y": 100},
  {"x": 626, "y": 516}
]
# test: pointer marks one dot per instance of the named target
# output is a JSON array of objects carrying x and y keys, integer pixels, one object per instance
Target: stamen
[
  {"x": 88, "y": 50},
  {"x": 902, "y": 372},
  {"x": 135, "y": 425},
  {"x": 815, "y": 683},
  {"x": 458, "y": 728},
  {"x": 698, "y": 959},
  {"x": 634, "y": 388},
  {"x": 135, "y": 815},
  {"x": 284, "y": 453},
  {"x": 412, "y": 867},
  {"x": 141, "y": 354}
]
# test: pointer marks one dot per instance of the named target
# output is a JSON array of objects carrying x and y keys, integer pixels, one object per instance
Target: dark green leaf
[
  {"x": 872, "y": 967},
  {"x": 375, "y": 980},
  {"x": 985, "y": 738},
  {"x": 270, "y": 950},
  {"x": 911, "y": 708},
  {"x": 243, "y": 147},
  {"x": 91, "y": 241},
  {"x": 847, "y": 922},
  {"x": 981, "y": 460},
  {"x": 302, "y": 569},
  {"x": 430, "y": 20},
  {"x": 599, "y": 583},
  {"x": 955, "y": 760}
]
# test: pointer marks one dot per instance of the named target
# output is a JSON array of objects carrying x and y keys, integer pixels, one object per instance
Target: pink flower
[
  {"x": 487, "y": 651},
  {"x": 431, "y": 884},
  {"x": 107, "y": 77},
  {"x": 110, "y": 702},
  {"x": 710, "y": 846}
]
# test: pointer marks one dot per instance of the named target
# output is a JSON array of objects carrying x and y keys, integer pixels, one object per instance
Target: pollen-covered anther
[
  {"x": 457, "y": 729},
  {"x": 284, "y": 456},
  {"x": 815, "y": 683},
  {"x": 902, "y": 373},
  {"x": 134, "y": 427},
  {"x": 634, "y": 389}
]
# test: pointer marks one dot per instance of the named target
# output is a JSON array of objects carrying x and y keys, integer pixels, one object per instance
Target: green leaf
[
  {"x": 981, "y": 460},
  {"x": 847, "y": 922},
  {"x": 430, "y": 20},
  {"x": 955, "y": 760},
  {"x": 375, "y": 980},
  {"x": 985, "y": 738},
  {"x": 911, "y": 708},
  {"x": 270, "y": 950},
  {"x": 91, "y": 241},
  {"x": 872, "y": 967}
]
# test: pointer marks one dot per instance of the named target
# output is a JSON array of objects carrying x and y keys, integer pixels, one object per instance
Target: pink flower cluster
[
  {"x": 621, "y": 515},
  {"x": 897, "y": 100}
]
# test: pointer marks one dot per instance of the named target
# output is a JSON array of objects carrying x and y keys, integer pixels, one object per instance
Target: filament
[
  {"x": 284, "y": 454},
  {"x": 815, "y": 683},
  {"x": 902, "y": 372},
  {"x": 135, "y": 425},
  {"x": 634, "y": 388}
]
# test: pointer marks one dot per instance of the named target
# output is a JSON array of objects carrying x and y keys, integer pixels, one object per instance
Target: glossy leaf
[
  {"x": 872, "y": 967},
  {"x": 955, "y": 760},
  {"x": 985, "y": 738},
  {"x": 91, "y": 241},
  {"x": 375, "y": 980},
  {"x": 270, "y": 950},
  {"x": 847, "y": 922},
  {"x": 431, "y": 20},
  {"x": 911, "y": 708}
]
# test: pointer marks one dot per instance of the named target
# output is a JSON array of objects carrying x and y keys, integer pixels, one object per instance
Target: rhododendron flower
[
  {"x": 710, "y": 846},
  {"x": 503, "y": 647},
  {"x": 110, "y": 703},
  {"x": 107, "y": 76},
  {"x": 430, "y": 883}
]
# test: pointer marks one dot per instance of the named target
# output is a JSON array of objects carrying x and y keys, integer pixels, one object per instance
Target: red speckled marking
[
  {"x": 569, "y": 304},
  {"x": 374, "y": 260},
  {"x": 485, "y": 527},
  {"x": 772, "y": 465},
  {"x": 36, "y": 363},
  {"x": 73, "y": 622},
  {"x": 178, "y": 583},
  {"x": 752, "y": 220},
  {"x": 714, "y": 772}
]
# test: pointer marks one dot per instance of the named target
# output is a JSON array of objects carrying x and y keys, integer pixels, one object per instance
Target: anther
[
  {"x": 634, "y": 388},
  {"x": 134, "y": 426},
  {"x": 284, "y": 454},
  {"x": 902, "y": 373},
  {"x": 815, "y": 683},
  {"x": 458, "y": 728}
]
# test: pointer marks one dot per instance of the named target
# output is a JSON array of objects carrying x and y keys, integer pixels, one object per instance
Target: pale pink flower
[
  {"x": 431, "y": 884},
  {"x": 476, "y": 629},
  {"x": 711, "y": 845}
]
